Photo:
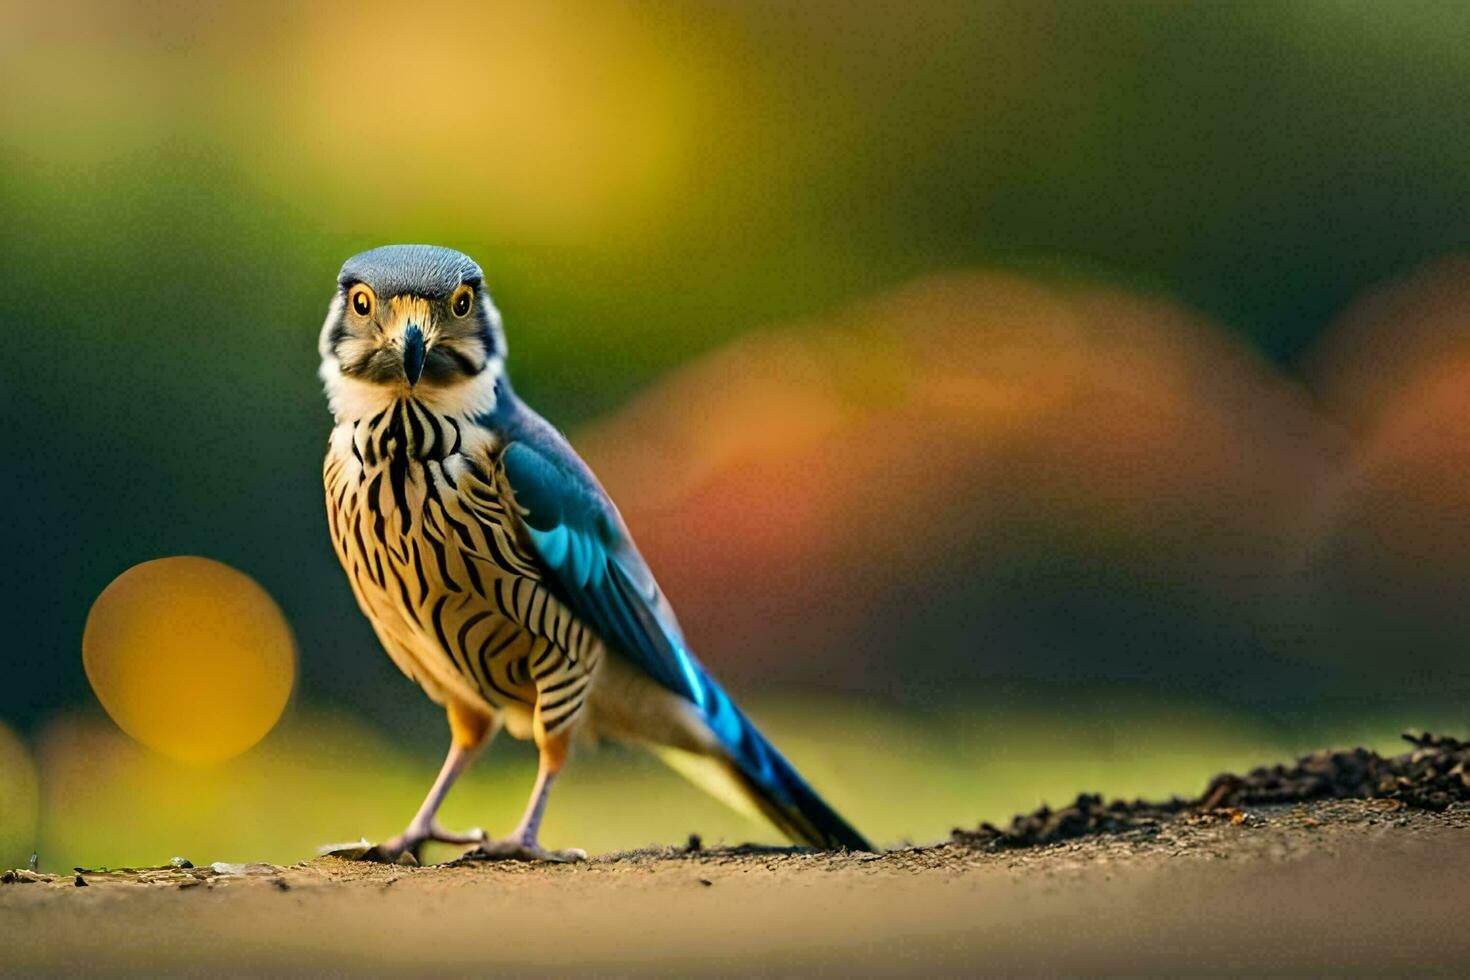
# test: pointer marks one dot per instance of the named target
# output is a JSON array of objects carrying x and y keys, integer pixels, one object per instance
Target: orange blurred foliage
[{"x": 836, "y": 486}]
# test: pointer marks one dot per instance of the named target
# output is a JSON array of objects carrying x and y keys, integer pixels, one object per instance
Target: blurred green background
[{"x": 1015, "y": 398}]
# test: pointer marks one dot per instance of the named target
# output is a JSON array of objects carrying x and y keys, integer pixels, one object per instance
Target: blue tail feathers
[{"x": 771, "y": 782}]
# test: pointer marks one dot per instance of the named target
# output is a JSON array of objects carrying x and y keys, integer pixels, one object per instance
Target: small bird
[{"x": 495, "y": 569}]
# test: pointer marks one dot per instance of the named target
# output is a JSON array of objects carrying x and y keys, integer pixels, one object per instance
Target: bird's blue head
[{"x": 411, "y": 320}]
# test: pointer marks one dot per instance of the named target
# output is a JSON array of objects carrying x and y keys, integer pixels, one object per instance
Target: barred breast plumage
[{"x": 418, "y": 511}]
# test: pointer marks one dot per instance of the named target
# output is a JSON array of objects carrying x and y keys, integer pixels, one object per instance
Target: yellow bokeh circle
[{"x": 190, "y": 657}]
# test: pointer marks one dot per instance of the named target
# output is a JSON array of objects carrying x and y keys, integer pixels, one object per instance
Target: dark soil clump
[{"x": 1432, "y": 776}]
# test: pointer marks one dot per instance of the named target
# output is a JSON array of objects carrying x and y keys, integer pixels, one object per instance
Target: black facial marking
[{"x": 464, "y": 331}]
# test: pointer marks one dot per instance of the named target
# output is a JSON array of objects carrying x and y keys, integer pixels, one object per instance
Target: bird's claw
[
  {"x": 406, "y": 847},
  {"x": 513, "y": 849}
]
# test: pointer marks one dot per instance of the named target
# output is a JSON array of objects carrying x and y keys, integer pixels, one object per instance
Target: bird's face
[{"x": 412, "y": 321}]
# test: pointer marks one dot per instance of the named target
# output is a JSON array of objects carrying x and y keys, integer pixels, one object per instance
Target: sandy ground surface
[{"x": 1355, "y": 886}]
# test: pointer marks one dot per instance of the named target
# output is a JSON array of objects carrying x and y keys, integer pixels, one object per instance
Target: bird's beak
[{"x": 413, "y": 353}]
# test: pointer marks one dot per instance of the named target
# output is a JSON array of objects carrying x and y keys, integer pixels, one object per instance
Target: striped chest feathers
[{"x": 420, "y": 520}]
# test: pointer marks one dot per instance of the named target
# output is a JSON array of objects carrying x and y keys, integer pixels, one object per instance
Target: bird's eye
[
  {"x": 464, "y": 298},
  {"x": 361, "y": 299}
]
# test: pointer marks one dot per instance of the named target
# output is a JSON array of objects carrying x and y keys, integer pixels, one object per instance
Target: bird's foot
[
  {"x": 406, "y": 847},
  {"x": 515, "y": 848}
]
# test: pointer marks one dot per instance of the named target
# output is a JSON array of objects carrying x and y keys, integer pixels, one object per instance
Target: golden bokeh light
[
  {"x": 549, "y": 123},
  {"x": 190, "y": 657}
]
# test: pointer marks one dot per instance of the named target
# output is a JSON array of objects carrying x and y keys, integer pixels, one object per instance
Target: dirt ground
[{"x": 1363, "y": 886}]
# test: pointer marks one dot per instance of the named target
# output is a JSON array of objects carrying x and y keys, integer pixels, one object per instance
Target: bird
[{"x": 496, "y": 571}]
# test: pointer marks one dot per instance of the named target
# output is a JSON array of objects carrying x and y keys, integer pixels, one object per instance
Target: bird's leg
[
  {"x": 424, "y": 826},
  {"x": 468, "y": 729},
  {"x": 522, "y": 844},
  {"x": 530, "y": 824}
]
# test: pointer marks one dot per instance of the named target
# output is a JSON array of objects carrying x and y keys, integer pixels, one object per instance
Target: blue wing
[
  {"x": 594, "y": 567},
  {"x": 591, "y": 564}
]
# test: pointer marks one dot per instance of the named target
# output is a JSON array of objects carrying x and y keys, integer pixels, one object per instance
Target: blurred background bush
[{"x": 1078, "y": 391}]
